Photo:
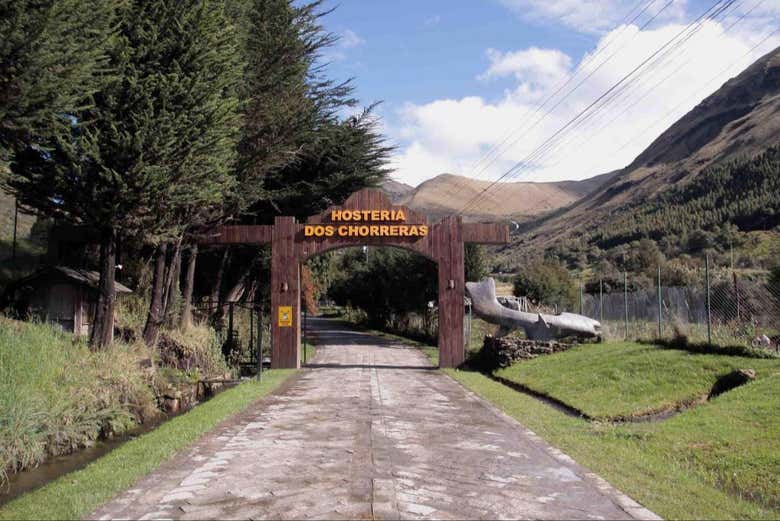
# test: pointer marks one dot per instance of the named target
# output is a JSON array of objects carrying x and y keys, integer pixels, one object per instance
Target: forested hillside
[
  {"x": 741, "y": 192},
  {"x": 708, "y": 184}
]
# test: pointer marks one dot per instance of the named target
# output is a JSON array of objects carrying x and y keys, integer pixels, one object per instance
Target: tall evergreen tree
[
  {"x": 296, "y": 154},
  {"x": 50, "y": 51},
  {"x": 156, "y": 146}
]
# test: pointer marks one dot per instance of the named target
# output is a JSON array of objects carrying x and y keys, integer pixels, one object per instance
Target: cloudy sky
[{"x": 477, "y": 87}]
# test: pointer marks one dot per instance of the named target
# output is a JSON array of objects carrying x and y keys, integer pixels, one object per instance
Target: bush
[{"x": 546, "y": 282}]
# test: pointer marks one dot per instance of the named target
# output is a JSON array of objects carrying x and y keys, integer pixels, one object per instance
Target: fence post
[
  {"x": 260, "y": 344},
  {"x": 230, "y": 326},
  {"x": 660, "y": 317},
  {"x": 580, "y": 298},
  {"x": 707, "y": 281},
  {"x": 625, "y": 299},
  {"x": 251, "y": 331},
  {"x": 601, "y": 302}
]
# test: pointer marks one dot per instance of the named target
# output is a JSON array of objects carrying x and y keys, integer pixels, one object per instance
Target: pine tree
[
  {"x": 296, "y": 155},
  {"x": 50, "y": 52},
  {"x": 156, "y": 147}
]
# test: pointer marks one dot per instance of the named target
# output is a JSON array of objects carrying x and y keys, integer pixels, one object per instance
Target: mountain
[
  {"x": 395, "y": 189},
  {"x": 447, "y": 193},
  {"x": 711, "y": 145}
]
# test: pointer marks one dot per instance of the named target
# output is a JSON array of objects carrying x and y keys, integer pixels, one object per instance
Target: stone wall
[{"x": 499, "y": 352}]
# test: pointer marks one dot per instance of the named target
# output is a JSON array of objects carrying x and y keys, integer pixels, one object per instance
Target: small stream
[{"x": 57, "y": 466}]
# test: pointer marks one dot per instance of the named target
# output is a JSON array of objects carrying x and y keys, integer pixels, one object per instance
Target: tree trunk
[
  {"x": 189, "y": 283},
  {"x": 235, "y": 293},
  {"x": 217, "y": 288},
  {"x": 102, "y": 333},
  {"x": 173, "y": 272},
  {"x": 155, "y": 316}
]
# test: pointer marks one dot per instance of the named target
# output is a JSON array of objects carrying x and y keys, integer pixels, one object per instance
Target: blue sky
[
  {"x": 457, "y": 77},
  {"x": 419, "y": 51}
]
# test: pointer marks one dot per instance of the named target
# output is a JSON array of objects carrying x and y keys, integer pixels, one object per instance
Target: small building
[{"x": 59, "y": 295}]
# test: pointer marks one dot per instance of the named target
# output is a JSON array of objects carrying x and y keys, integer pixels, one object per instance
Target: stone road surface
[{"x": 370, "y": 431}]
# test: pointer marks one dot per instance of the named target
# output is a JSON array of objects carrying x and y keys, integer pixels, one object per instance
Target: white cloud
[
  {"x": 591, "y": 16},
  {"x": 533, "y": 68},
  {"x": 450, "y": 135},
  {"x": 349, "y": 39}
]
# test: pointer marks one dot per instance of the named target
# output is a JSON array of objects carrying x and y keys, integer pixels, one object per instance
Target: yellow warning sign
[{"x": 285, "y": 316}]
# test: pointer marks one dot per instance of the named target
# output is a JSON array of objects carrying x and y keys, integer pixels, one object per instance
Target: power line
[
  {"x": 495, "y": 149},
  {"x": 664, "y": 79},
  {"x": 578, "y": 85},
  {"x": 706, "y": 15}
]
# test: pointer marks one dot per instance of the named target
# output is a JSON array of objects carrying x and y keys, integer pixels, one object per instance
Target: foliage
[
  {"x": 385, "y": 283},
  {"x": 57, "y": 396},
  {"x": 708, "y": 213},
  {"x": 77, "y": 494},
  {"x": 546, "y": 282},
  {"x": 155, "y": 146},
  {"x": 309, "y": 290},
  {"x": 475, "y": 265},
  {"x": 50, "y": 56}
]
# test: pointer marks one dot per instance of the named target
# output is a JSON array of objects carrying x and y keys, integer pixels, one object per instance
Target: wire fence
[
  {"x": 242, "y": 329},
  {"x": 722, "y": 306}
]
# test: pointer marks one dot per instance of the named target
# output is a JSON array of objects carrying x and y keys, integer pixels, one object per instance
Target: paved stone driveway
[{"x": 371, "y": 432}]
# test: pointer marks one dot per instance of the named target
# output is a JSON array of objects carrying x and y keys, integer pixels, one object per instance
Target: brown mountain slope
[
  {"x": 446, "y": 194},
  {"x": 740, "y": 119}
]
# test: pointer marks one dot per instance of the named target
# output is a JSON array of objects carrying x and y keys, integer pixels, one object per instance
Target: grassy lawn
[
  {"x": 627, "y": 379},
  {"x": 719, "y": 460},
  {"x": 75, "y": 495}
]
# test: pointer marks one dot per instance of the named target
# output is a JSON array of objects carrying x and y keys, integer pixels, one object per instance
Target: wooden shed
[{"x": 59, "y": 295}]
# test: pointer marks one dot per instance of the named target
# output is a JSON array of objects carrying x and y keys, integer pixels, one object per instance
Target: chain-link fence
[{"x": 719, "y": 306}]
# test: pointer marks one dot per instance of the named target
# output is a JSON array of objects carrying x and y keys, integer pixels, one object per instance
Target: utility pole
[
  {"x": 625, "y": 299},
  {"x": 709, "y": 313},
  {"x": 660, "y": 317},
  {"x": 601, "y": 301}
]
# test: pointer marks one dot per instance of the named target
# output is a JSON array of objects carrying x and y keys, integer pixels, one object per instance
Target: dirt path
[{"x": 371, "y": 431}]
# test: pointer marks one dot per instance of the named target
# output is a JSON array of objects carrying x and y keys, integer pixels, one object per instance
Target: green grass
[
  {"x": 720, "y": 460},
  {"x": 77, "y": 494},
  {"x": 628, "y": 379},
  {"x": 57, "y": 396},
  {"x": 308, "y": 352}
]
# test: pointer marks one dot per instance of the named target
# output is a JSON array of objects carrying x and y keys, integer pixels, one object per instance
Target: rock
[
  {"x": 499, "y": 352},
  {"x": 171, "y": 405},
  {"x": 762, "y": 341},
  {"x": 732, "y": 380}
]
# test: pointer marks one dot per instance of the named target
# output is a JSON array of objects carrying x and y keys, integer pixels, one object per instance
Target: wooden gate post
[
  {"x": 448, "y": 243},
  {"x": 285, "y": 296}
]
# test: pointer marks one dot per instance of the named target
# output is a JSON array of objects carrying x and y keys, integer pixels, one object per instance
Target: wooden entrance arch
[{"x": 366, "y": 218}]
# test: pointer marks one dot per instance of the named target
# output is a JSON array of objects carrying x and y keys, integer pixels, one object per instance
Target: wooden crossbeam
[
  {"x": 240, "y": 234},
  {"x": 485, "y": 233}
]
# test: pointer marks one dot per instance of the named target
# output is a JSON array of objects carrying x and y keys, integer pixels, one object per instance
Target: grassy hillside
[
  {"x": 628, "y": 379},
  {"x": 740, "y": 192}
]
